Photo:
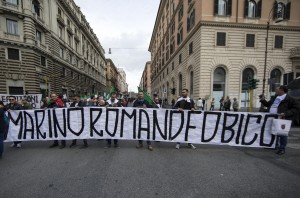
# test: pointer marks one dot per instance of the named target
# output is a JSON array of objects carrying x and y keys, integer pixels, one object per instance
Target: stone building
[
  {"x": 145, "y": 82},
  {"x": 122, "y": 81},
  {"x": 111, "y": 76},
  {"x": 49, "y": 46},
  {"x": 213, "y": 47}
]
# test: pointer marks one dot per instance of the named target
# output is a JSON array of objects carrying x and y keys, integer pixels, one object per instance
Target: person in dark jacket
[
  {"x": 2, "y": 128},
  {"x": 12, "y": 106},
  {"x": 56, "y": 102},
  {"x": 286, "y": 106},
  {"x": 140, "y": 102},
  {"x": 78, "y": 103},
  {"x": 185, "y": 103},
  {"x": 227, "y": 104}
]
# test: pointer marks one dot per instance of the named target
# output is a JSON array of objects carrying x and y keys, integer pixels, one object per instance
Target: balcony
[
  {"x": 61, "y": 20},
  {"x": 10, "y": 5},
  {"x": 295, "y": 52},
  {"x": 10, "y": 36},
  {"x": 69, "y": 29}
]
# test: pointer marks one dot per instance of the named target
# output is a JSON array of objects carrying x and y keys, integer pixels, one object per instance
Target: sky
[{"x": 121, "y": 24}]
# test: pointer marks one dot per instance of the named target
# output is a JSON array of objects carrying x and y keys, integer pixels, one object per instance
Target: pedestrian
[
  {"x": 113, "y": 102},
  {"x": 212, "y": 104},
  {"x": 221, "y": 103},
  {"x": 140, "y": 102},
  {"x": 203, "y": 104},
  {"x": 156, "y": 103},
  {"x": 173, "y": 103},
  {"x": 235, "y": 105},
  {"x": 199, "y": 104},
  {"x": 12, "y": 106},
  {"x": 185, "y": 103},
  {"x": 3, "y": 126},
  {"x": 227, "y": 104},
  {"x": 78, "y": 103},
  {"x": 287, "y": 107},
  {"x": 25, "y": 104},
  {"x": 56, "y": 102}
]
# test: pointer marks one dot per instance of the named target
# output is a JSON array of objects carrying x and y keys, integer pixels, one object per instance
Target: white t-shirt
[
  {"x": 277, "y": 101},
  {"x": 199, "y": 103}
]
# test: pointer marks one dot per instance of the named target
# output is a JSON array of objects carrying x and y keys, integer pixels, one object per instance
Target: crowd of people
[{"x": 285, "y": 105}]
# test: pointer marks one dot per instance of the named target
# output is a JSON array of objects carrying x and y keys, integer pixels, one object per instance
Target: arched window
[
  {"x": 219, "y": 83},
  {"x": 180, "y": 83},
  {"x": 275, "y": 79},
  {"x": 248, "y": 73},
  {"x": 191, "y": 83}
]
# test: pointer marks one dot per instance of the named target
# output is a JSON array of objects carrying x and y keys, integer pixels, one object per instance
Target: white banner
[
  {"x": 33, "y": 99},
  {"x": 198, "y": 127}
]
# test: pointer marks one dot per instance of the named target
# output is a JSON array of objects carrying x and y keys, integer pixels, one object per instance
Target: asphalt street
[{"x": 209, "y": 171}]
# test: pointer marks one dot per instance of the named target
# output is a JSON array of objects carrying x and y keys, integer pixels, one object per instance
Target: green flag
[
  {"x": 112, "y": 90},
  {"x": 146, "y": 96}
]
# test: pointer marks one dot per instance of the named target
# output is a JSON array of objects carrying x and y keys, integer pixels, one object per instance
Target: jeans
[
  {"x": 109, "y": 141},
  {"x": 1, "y": 144},
  {"x": 141, "y": 142},
  {"x": 282, "y": 142}
]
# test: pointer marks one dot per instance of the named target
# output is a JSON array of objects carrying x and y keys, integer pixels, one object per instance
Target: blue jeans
[
  {"x": 1, "y": 143},
  {"x": 282, "y": 140}
]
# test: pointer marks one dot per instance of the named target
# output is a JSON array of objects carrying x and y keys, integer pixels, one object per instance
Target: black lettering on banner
[
  {"x": 16, "y": 122},
  {"x": 156, "y": 125},
  {"x": 262, "y": 133},
  {"x": 188, "y": 126},
  {"x": 229, "y": 128},
  {"x": 82, "y": 120},
  {"x": 130, "y": 116},
  {"x": 92, "y": 123},
  {"x": 171, "y": 123},
  {"x": 26, "y": 129},
  {"x": 57, "y": 126},
  {"x": 249, "y": 116},
  {"x": 108, "y": 110},
  {"x": 50, "y": 123},
  {"x": 142, "y": 111},
  {"x": 238, "y": 134},
  {"x": 38, "y": 125},
  {"x": 206, "y": 113}
]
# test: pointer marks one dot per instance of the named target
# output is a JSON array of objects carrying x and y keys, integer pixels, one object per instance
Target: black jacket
[
  {"x": 289, "y": 106},
  {"x": 2, "y": 123},
  {"x": 185, "y": 104},
  {"x": 80, "y": 104},
  {"x": 15, "y": 106},
  {"x": 141, "y": 103}
]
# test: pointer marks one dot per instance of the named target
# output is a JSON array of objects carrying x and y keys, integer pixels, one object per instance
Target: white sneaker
[
  {"x": 177, "y": 146},
  {"x": 12, "y": 145},
  {"x": 19, "y": 145},
  {"x": 192, "y": 146}
]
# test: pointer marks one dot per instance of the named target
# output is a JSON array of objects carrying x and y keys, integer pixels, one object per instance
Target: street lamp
[{"x": 266, "y": 51}]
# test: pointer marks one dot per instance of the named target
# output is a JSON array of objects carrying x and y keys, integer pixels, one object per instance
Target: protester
[
  {"x": 101, "y": 103},
  {"x": 25, "y": 104},
  {"x": 203, "y": 104},
  {"x": 78, "y": 103},
  {"x": 284, "y": 105},
  {"x": 199, "y": 104},
  {"x": 113, "y": 102},
  {"x": 56, "y": 102},
  {"x": 173, "y": 103},
  {"x": 185, "y": 103},
  {"x": 140, "y": 102},
  {"x": 212, "y": 104},
  {"x": 156, "y": 103},
  {"x": 124, "y": 102},
  {"x": 3, "y": 126},
  {"x": 11, "y": 106},
  {"x": 235, "y": 105},
  {"x": 221, "y": 103},
  {"x": 227, "y": 104}
]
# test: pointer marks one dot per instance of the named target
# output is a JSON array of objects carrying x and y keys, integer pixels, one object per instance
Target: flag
[
  {"x": 146, "y": 96},
  {"x": 111, "y": 91}
]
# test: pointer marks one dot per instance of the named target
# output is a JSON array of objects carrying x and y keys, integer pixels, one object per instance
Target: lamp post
[{"x": 266, "y": 50}]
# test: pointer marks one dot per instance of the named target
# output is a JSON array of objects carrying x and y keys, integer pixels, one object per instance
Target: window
[
  {"x": 36, "y": 7},
  {"x": 59, "y": 12},
  {"x": 179, "y": 36},
  {"x": 252, "y": 9},
  {"x": 278, "y": 42},
  {"x": 172, "y": 47},
  {"x": 281, "y": 11},
  {"x": 61, "y": 52},
  {"x": 38, "y": 36},
  {"x": 191, "y": 82},
  {"x": 223, "y": 7},
  {"x": 13, "y": 54},
  {"x": 180, "y": 13},
  {"x": 250, "y": 40},
  {"x": 221, "y": 39},
  {"x": 190, "y": 48},
  {"x": 12, "y": 2},
  {"x": 180, "y": 58},
  {"x": 172, "y": 66},
  {"x": 60, "y": 32},
  {"x": 173, "y": 28},
  {"x": 76, "y": 46},
  {"x": 64, "y": 72},
  {"x": 43, "y": 61},
  {"x": 72, "y": 74},
  {"x": 275, "y": 79},
  {"x": 16, "y": 90},
  {"x": 12, "y": 26},
  {"x": 70, "y": 40},
  {"x": 191, "y": 20}
]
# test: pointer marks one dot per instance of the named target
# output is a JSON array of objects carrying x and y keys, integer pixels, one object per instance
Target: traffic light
[
  {"x": 250, "y": 83},
  {"x": 254, "y": 83},
  {"x": 173, "y": 91}
]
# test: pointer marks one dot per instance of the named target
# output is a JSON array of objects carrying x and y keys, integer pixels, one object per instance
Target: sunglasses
[{"x": 11, "y": 99}]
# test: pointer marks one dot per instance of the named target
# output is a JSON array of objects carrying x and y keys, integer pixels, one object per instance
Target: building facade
[
  {"x": 213, "y": 47},
  {"x": 145, "y": 82},
  {"x": 49, "y": 46},
  {"x": 122, "y": 81},
  {"x": 111, "y": 76}
]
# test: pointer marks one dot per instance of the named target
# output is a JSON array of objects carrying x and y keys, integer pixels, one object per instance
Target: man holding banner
[
  {"x": 185, "y": 103},
  {"x": 284, "y": 105}
]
